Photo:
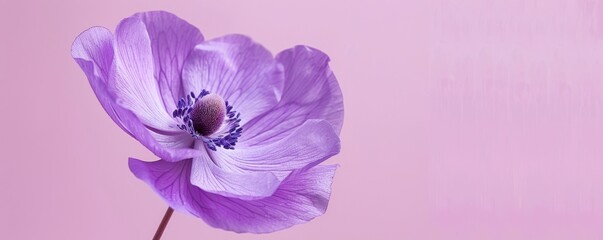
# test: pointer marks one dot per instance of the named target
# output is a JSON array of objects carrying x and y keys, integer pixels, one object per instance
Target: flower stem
[{"x": 163, "y": 224}]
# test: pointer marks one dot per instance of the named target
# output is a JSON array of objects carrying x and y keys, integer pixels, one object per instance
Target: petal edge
[
  {"x": 302, "y": 197},
  {"x": 311, "y": 91}
]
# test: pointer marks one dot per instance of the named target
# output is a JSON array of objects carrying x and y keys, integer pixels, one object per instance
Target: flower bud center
[{"x": 208, "y": 114}]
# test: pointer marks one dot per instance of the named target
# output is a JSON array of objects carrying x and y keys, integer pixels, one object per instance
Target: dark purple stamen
[
  {"x": 202, "y": 116},
  {"x": 208, "y": 114}
]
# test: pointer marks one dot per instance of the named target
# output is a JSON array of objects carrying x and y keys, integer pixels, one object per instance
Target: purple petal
[
  {"x": 243, "y": 72},
  {"x": 134, "y": 83},
  {"x": 244, "y": 185},
  {"x": 162, "y": 146},
  {"x": 172, "y": 39},
  {"x": 169, "y": 179},
  {"x": 311, "y": 92},
  {"x": 301, "y": 197},
  {"x": 308, "y": 145},
  {"x": 93, "y": 51}
]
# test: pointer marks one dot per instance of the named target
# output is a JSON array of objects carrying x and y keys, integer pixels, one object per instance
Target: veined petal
[
  {"x": 174, "y": 140},
  {"x": 301, "y": 197},
  {"x": 239, "y": 70},
  {"x": 311, "y": 91},
  {"x": 310, "y": 144},
  {"x": 172, "y": 39},
  {"x": 164, "y": 148},
  {"x": 133, "y": 79},
  {"x": 171, "y": 180},
  {"x": 93, "y": 51},
  {"x": 244, "y": 185}
]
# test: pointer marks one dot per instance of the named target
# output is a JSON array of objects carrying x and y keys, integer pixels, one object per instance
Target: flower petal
[
  {"x": 244, "y": 185},
  {"x": 162, "y": 146},
  {"x": 93, "y": 51},
  {"x": 241, "y": 71},
  {"x": 311, "y": 91},
  {"x": 172, "y": 39},
  {"x": 169, "y": 179},
  {"x": 310, "y": 144},
  {"x": 133, "y": 80},
  {"x": 301, "y": 197}
]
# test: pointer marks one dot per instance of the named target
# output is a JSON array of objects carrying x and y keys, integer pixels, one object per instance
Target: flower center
[
  {"x": 208, "y": 114},
  {"x": 207, "y": 117}
]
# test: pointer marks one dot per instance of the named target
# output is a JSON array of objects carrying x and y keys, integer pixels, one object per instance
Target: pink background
[{"x": 464, "y": 119}]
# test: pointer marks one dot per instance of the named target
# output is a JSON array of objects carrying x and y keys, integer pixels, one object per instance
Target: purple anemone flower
[{"x": 240, "y": 134}]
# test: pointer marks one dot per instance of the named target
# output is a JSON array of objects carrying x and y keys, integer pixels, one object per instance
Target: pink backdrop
[{"x": 464, "y": 119}]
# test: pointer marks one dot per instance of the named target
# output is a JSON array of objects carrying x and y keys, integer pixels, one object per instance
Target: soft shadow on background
[{"x": 463, "y": 120}]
